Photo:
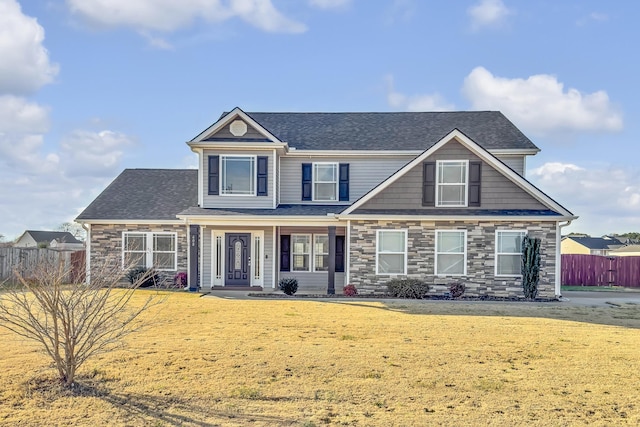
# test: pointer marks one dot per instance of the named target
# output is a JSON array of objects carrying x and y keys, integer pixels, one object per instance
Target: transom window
[
  {"x": 149, "y": 250},
  {"x": 238, "y": 175},
  {"x": 451, "y": 183},
  {"x": 509, "y": 252},
  {"x": 391, "y": 252},
  {"x": 300, "y": 252},
  {"x": 451, "y": 252},
  {"x": 325, "y": 181}
]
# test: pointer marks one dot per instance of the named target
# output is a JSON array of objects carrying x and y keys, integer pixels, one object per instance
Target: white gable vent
[{"x": 238, "y": 128}]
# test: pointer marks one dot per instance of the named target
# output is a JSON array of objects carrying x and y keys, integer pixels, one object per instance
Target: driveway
[{"x": 600, "y": 299}]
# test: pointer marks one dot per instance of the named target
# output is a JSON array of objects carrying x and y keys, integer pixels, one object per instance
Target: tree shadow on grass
[{"x": 613, "y": 314}]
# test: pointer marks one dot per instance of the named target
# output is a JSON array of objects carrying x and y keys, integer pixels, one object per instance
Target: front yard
[{"x": 212, "y": 361}]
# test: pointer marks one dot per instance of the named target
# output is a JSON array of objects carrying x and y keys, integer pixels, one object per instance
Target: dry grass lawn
[{"x": 213, "y": 361}]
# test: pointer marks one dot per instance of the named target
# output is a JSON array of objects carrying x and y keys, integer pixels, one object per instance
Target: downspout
[
  {"x": 559, "y": 228},
  {"x": 87, "y": 254}
]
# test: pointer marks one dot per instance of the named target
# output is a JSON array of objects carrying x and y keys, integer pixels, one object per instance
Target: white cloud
[
  {"x": 605, "y": 197},
  {"x": 171, "y": 15},
  {"x": 87, "y": 153},
  {"x": 17, "y": 115},
  {"x": 425, "y": 102},
  {"x": 593, "y": 17},
  {"x": 25, "y": 65},
  {"x": 488, "y": 13},
  {"x": 540, "y": 104},
  {"x": 330, "y": 4}
]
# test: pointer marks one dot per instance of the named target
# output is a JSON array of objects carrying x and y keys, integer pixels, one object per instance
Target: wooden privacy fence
[
  {"x": 26, "y": 259},
  {"x": 597, "y": 270}
]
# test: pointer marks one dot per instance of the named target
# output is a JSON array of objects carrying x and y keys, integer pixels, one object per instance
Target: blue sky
[{"x": 90, "y": 87}]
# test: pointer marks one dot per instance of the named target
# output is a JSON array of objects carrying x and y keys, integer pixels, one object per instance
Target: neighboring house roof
[
  {"x": 48, "y": 236},
  {"x": 628, "y": 248},
  {"x": 388, "y": 131},
  {"x": 596, "y": 242},
  {"x": 145, "y": 194}
]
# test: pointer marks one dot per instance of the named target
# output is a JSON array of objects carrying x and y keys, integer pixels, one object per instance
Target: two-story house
[{"x": 334, "y": 199}]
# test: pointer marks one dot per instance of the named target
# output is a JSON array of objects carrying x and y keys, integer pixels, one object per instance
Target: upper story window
[
  {"x": 451, "y": 187},
  {"x": 238, "y": 175},
  {"x": 325, "y": 181},
  {"x": 509, "y": 252}
]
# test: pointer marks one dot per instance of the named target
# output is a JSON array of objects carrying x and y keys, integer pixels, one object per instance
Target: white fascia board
[
  {"x": 514, "y": 152},
  {"x": 264, "y": 220},
  {"x": 238, "y": 145},
  {"x": 350, "y": 153},
  {"x": 472, "y": 218},
  {"x": 233, "y": 114},
  {"x": 478, "y": 151},
  {"x": 132, "y": 221}
]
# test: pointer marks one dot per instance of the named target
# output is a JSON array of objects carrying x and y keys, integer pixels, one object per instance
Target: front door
[{"x": 238, "y": 259}]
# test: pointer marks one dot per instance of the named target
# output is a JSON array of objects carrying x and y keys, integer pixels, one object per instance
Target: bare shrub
[{"x": 72, "y": 321}]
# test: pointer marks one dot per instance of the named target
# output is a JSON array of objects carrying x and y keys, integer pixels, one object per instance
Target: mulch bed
[{"x": 382, "y": 296}]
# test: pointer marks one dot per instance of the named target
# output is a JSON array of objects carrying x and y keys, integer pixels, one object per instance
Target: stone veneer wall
[
  {"x": 106, "y": 245},
  {"x": 480, "y": 279}
]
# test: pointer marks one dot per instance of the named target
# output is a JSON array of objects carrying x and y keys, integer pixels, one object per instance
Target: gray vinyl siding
[
  {"x": 497, "y": 191},
  {"x": 514, "y": 162},
  {"x": 365, "y": 173},
  {"x": 225, "y": 133},
  {"x": 232, "y": 201},
  {"x": 207, "y": 251}
]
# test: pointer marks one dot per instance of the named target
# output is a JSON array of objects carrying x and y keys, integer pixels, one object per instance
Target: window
[
  {"x": 325, "y": 181},
  {"x": 320, "y": 252},
  {"x": 257, "y": 257},
  {"x": 238, "y": 175},
  {"x": 509, "y": 252},
  {"x": 391, "y": 252},
  {"x": 451, "y": 252},
  {"x": 149, "y": 250},
  {"x": 451, "y": 188},
  {"x": 300, "y": 252}
]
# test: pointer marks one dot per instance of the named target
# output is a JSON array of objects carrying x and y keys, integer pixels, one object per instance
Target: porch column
[
  {"x": 331, "y": 287},
  {"x": 194, "y": 257}
]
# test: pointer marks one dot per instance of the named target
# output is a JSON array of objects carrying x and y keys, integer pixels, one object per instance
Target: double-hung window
[
  {"x": 325, "y": 181},
  {"x": 391, "y": 252},
  {"x": 320, "y": 252},
  {"x": 300, "y": 252},
  {"x": 451, "y": 184},
  {"x": 509, "y": 252},
  {"x": 238, "y": 175},
  {"x": 149, "y": 250},
  {"x": 451, "y": 252}
]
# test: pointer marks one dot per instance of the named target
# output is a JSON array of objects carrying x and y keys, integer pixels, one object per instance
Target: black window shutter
[
  {"x": 307, "y": 179},
  {"x": 344, "y": 182},
  {"x": 285, "y": 253},
  {"x": 214, "y": 175},
  {"x": 429, "y": 184},
  {"x": 263, "y": 173},
  {"x": 475, "y": 172},
  {"x": 340, "y": 254}
]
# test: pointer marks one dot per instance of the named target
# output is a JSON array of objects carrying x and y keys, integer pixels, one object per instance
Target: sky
[{"x": 91, "y": 87}]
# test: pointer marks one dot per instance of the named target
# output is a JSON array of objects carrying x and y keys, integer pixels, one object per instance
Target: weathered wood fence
[
  {"x": 26, "y": 259},
  {"x": 597, "y": 270}
]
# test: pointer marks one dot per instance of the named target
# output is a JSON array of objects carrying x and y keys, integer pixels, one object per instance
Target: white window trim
[
  {"x": 149, "y": 248},
  {"x": 310, "y": 253},
  {"x": 313, "y": 250},
  {"x": 464, "y": 265},
  {"x": 221, "y": 233},
  {"x": 314, "y": 182},
  {"x": 221, "y": 178},
  {"x": 405, "y": 253},
  {"x": 496, "y": 253},
  {"x": 466, "y": 183}
]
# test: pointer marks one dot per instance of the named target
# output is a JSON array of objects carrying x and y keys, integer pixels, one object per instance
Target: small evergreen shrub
[
  {"x": 530, "y": 266},
  {"x": 456, "y": 290},
  {"x": 349, "y": 290},
  {"x": 146, "y": 278},
  {"x": 407, "y": 288},
  {"x": 288, "y": 285}
]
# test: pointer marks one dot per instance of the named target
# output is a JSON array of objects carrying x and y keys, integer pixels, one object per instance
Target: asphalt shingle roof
[
  {"x": 391, "y": 131},
  {"x": 281, "y": 210},
  {"x": 597, "y": 242},
  {"x": 48, "y": 236},
  {"x": 154, "y": 194}
]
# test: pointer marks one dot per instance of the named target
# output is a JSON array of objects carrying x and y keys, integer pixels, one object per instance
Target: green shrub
[
  {"x": 143, "y": 277},
  {"x": 407, "y": 288},
  {"x": 288, "y": 285},
  {"x": 456, "y": 290},
  {"x": 349, "y": 290},
  {"x": 530, "y": 266}
]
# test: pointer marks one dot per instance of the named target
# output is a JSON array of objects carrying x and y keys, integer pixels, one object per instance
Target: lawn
[{"x": 212, "y": 361}]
